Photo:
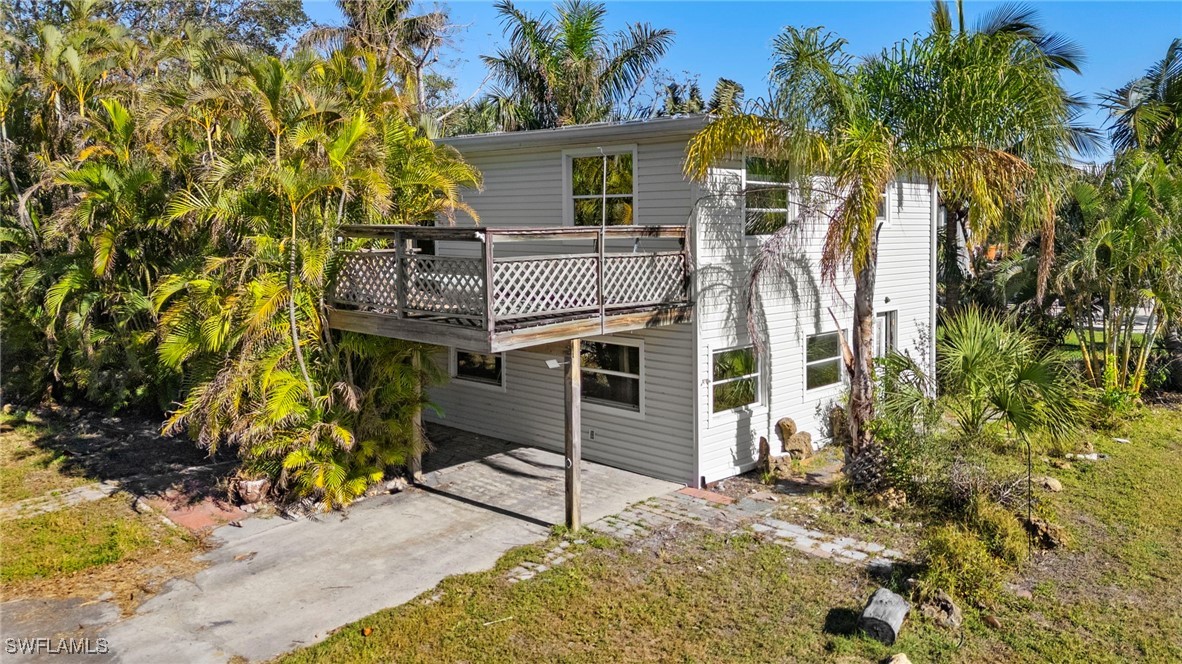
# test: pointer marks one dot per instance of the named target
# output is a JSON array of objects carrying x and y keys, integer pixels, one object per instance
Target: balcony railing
[{"x": 467, "y": 285}]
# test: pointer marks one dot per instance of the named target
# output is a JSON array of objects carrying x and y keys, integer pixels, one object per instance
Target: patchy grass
[
  {"x": 1112, "y": 597},
  {"x": 26, "y": 470},
  {"x": 83, "y": 550}
]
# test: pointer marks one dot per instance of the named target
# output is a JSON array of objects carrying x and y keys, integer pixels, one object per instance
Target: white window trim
[
  {"x": 453, "y": 371},
  {"x": 841, "y": 373},
  {"x": 888, "y": 206},
  {"x": 568, "y": 199},
  {"x": 759, "y": 382},
  {"x": 882, "y": 313},
  {"x": 790, "y": 213},
  {"x": 597, "y": 407}
]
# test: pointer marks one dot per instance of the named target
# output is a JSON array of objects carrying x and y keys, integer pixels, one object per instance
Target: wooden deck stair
[{"x": 474, "y": 299}]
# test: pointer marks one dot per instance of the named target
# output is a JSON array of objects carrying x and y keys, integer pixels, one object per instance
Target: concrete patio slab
[{"x": 275, "y": 584}]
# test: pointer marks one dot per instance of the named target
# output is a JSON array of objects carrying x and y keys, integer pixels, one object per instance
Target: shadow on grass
[{"x": 842, "y": 622}]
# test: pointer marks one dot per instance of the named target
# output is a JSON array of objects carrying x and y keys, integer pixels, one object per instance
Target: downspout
[{"x": 934, "y": 194}]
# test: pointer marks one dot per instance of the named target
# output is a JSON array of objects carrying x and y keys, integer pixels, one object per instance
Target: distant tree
[
  {"x": 267, "y": 26},
  {"x": 686, "y": 99},
  {"x": 1146, "y": 112},
  {"x": 566, "y": 69},
  {"x": 406, "y": 44}
]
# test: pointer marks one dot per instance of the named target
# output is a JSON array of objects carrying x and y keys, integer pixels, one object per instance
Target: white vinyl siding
[
  {"x": 658, "y": 443},
  {"x": 793, "y": 307},
  {"x": 524, "y": 189}
]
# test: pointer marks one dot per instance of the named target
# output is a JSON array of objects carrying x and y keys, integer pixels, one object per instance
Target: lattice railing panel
[
  {"x": 445, "y": 284},
  {"x": 368, "y": 280},
  {"x": 643, "y": 278},
  {"x": 538, "y": 286}
]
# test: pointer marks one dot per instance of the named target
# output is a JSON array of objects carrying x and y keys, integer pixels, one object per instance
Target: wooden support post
[
  {"x": 417, "y": 444},
  {"x": 574, "y": 443}
]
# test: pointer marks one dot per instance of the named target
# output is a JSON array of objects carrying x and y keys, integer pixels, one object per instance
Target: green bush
[
  {"x": 999, "y": 529},
  {"x": 959, "y": 563}
]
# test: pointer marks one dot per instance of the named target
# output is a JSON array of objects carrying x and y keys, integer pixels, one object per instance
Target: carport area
[{"x": 276, "y": 584}]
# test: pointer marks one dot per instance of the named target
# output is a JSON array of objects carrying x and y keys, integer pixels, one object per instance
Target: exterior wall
[
  {"x": 525, "y": 188},
  {"x": 678, "y": 437},
  {"x": 791, "y": 306},
  {"x": 529, "y": 410}
]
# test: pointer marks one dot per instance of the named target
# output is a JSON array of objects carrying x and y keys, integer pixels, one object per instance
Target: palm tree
[
  {"x": 686, "y": 99},
  {"x": 1146, "y": 113},
  {"x": 1042, "y": 193},
  {"x": 404, "y": 45},
  {"x": 946, "y": 110},
  {"x": 565, "y": 69}
]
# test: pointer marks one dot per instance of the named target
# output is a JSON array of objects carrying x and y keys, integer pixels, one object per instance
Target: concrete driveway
[{"x": 275, "y": 584}]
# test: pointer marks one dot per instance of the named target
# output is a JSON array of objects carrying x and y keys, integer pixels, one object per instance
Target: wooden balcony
[{"x": 472, "y": 297}]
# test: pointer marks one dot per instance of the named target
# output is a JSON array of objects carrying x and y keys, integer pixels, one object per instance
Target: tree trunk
[
  {"x": 1173, "y": 344},
  {"x": 954, "y": 216},
  {"x": 291, "y": 313},
  {"x": 864, "y": 459}
]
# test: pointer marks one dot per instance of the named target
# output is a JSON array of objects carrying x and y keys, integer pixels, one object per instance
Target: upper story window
[
  {"x": 735, "y": 378},
  {"x": 766, "y": 201},
  {"x": 602, "y": 188},
  {"x": 611, "y": 374}
]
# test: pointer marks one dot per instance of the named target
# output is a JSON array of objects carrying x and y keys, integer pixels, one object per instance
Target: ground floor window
[
  {"x": 479, "y": 368},
  {"x": 886, "y": 328},
  {"x": 822, "y": 360},
  {"x": 611, "y": 374},
  {"x": 735, "y": 378}
]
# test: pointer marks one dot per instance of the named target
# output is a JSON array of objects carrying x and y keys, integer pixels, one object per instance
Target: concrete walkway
[{"x": 275, "y": 584}]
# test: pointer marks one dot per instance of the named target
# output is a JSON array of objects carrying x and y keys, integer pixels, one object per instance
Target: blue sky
[{"x": 732, "y": 39}]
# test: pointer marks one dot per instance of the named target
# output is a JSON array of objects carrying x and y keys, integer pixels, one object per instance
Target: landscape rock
[
  {"x": 9, "y": 409},
  {"x": 993, "y": 621},
  {"x": 1046, "y": 534},
  {"x": 943, "y": 611},
  {"x": 899, "y": 658},
  {"x": 251, "y": 492},
  {"x": 396, "y": 485},
  {"x": 799, "y": 445},
  {"x": 1049, "y": 483},
  {"x": 1023, "y": 593}
]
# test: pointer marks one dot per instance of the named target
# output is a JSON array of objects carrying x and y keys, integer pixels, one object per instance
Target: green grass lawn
[{"x": 1113, "y": 596}]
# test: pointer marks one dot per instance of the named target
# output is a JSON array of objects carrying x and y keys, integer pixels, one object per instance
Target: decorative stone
[
  {"x": 993, "y": 621},
  {"x": 1049, "y": 483},
  {"x": 899, "y": 658},
  {"x": 253, "y": 491},
  {"x": 396, "y": 485},
  {"x": 943, "y": 611},
  {"x": 799, "y": 445},
  {"x": 786, "y": 427},
  {"x": 1046, "y": 535}
]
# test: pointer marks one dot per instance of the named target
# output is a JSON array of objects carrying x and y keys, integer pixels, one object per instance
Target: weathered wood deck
[{"x": 489, "y": 303}]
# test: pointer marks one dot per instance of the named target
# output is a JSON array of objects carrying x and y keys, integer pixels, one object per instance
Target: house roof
[{"x": 576, "y": 134}]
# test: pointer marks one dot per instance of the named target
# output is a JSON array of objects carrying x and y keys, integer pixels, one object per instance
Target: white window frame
[
  {"x": 453, "y": 370},
  {"x": 804, "y": 353},
  {"x": 596, "y": 406},
  {"x": 568, "y": 197},
  {"x": 887, "y": 316},
  {"x": 888, "y": 215},
  {"x": 790, "y": 213},
  {"x": 758, "y": 375}
]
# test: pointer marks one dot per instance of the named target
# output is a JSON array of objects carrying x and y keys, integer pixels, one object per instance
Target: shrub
[
  {"x": 992, "y": 370},
  {"x": 959, "y": 563},
  {"x": 999, "y": 529}
]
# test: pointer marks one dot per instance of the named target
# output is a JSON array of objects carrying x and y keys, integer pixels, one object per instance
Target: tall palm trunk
[
  {"x": 291, "y": 310},
  {"x": 954, "y": 218},
  {"x": 864, "y": 458}
]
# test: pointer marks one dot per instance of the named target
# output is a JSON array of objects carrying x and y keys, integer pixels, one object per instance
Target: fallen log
[{"x": 883, "y": 616}]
